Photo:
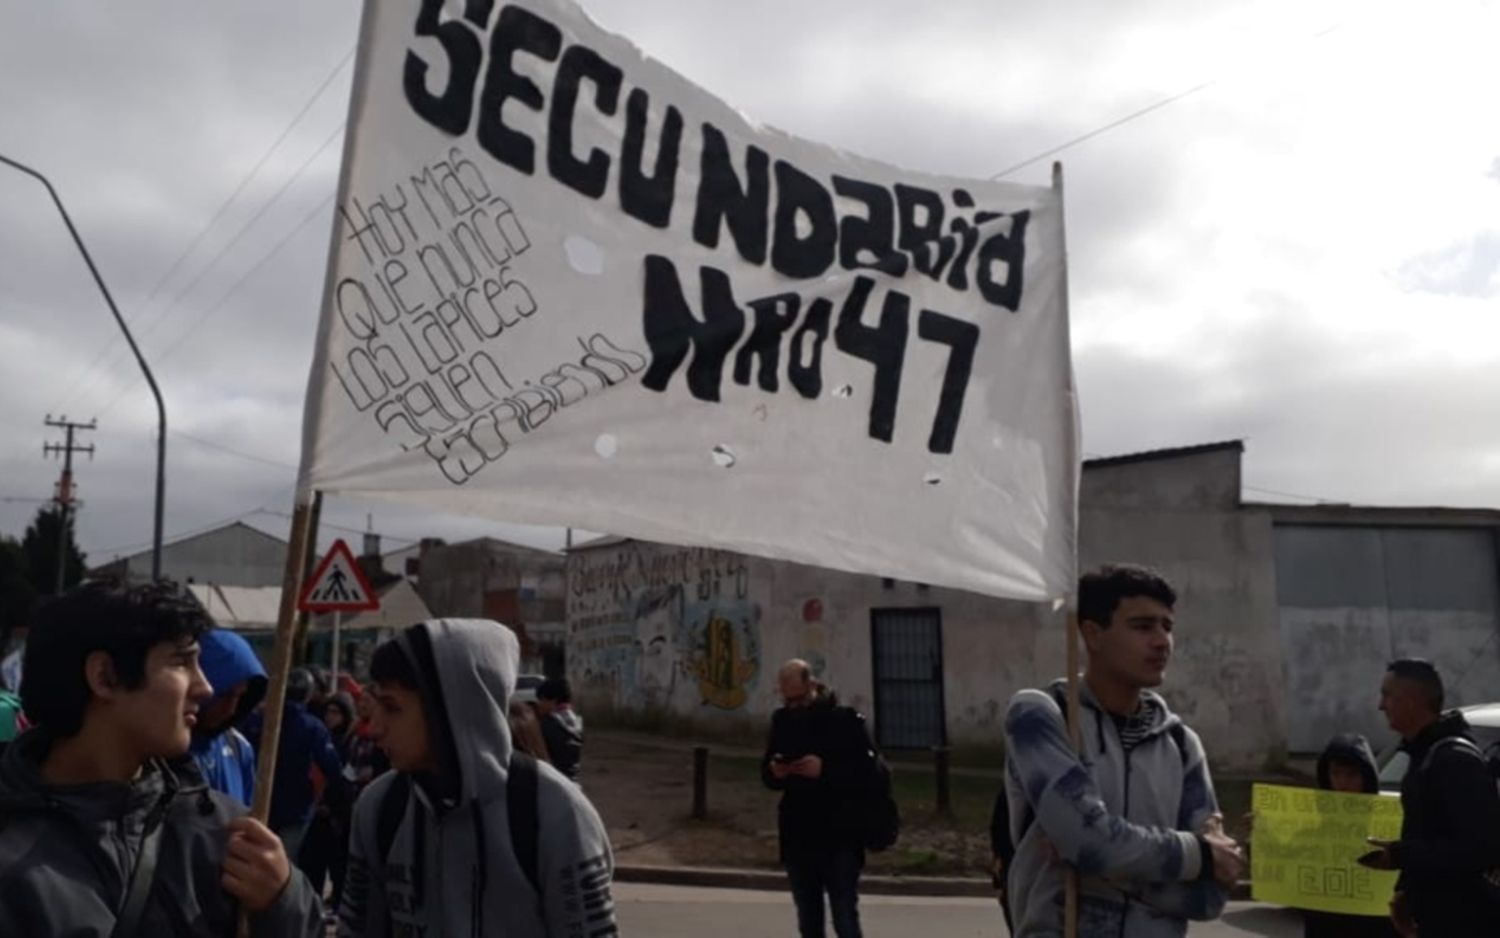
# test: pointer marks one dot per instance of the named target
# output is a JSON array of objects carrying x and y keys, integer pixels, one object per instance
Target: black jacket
[
  {"x": 1450, "y": 832},
  {"x": 562, "y": 731},
  {"x": 819, "y": 814},
  {"x": 67, "y": 852}
]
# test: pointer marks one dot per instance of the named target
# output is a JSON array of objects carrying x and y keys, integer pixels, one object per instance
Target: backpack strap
[
  {"x": 521, "y": 796},
  {"x": 392, "y": 810},
  {"x": 128, "y": 925},
  {"x": 521, "y": 811},
  {"x": 1451, "y": 742}
]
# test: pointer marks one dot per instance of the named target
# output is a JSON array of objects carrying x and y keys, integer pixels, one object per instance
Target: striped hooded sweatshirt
[
  {"x": 1123, "y": 816},
  {"x": 452, "y": 871}
]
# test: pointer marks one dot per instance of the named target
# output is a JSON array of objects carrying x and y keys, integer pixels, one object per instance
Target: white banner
[{"x": 569, "y": 287}]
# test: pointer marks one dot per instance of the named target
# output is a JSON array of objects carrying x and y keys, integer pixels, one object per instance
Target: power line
[
  {"x": 185, "y": 334},
  {"x": 232, "y": 451},
  {"x": 1134, "y": 115},
  {"x": 194, "y": 532},
  {"x": 385, "y": 539},
  {"x": 209, "y": 311},
  {"x": 182, "y": 294},
  {"x": 218, "y": 214},
  {"x": 1310, "y": 498}
]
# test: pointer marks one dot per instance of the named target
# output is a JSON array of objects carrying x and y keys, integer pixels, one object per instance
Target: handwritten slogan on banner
[
  {"x": 569, "y": 287},
  {"x": 1305, "y": 845}
]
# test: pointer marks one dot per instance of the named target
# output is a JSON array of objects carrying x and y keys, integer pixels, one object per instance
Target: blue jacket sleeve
[
  {"x": 1204, "y": 899},
  {"x": 1070, "y": 812},
  {"x": 247, "y": 768}
]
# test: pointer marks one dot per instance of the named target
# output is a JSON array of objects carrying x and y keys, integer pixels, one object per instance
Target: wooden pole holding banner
[
  {"x": 1075, "y": 728},
  {"x": 304, "y": 619},
  {"x": 338, "y": 623},
  {"x": 281, "y": 665}
]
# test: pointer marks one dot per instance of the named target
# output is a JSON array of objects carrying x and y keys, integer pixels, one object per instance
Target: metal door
[{"x": 907, "y": 648}]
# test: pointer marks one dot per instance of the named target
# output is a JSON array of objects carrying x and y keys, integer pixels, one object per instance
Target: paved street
[{"x": 686, "y": 912}]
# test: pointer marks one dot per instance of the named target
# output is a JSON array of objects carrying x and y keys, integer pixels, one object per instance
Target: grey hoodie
[
  {"x": 452, "y": 871},
  {"x": 1126, "y": 824}
]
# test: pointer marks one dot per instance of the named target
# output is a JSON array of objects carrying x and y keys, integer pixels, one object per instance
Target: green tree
[
  {"x": 17, "y": 592},
  {"x": 40, "y": 546}
]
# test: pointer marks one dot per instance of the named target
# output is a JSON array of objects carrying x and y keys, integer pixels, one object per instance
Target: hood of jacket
[
  {"x": 1353, "y": 749},
  {"x": 227, "y": 659},
  {"x": 1158, "y": 717},
  {"x": 467, "y": 669}
]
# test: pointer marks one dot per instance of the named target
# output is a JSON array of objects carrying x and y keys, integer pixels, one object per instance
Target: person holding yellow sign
[{"x": 1347, "y": 765}]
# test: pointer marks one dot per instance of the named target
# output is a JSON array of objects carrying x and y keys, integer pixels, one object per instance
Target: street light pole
[{"x": 161, "y": 407}]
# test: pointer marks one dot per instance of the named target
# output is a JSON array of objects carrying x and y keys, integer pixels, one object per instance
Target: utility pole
[{"x": 64, "y": 497}]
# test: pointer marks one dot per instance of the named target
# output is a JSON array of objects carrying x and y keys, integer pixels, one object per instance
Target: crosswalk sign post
[{"x": 338, "y": 585}]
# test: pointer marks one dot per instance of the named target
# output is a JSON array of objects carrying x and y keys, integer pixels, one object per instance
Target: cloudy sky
[{"x": 1303, "y": 253}]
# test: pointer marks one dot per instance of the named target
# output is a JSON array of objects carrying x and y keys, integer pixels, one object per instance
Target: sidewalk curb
[{"x": 775, "y": 881}]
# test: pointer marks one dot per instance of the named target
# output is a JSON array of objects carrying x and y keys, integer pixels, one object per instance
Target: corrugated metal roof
[{"x": 240, "y": 607}]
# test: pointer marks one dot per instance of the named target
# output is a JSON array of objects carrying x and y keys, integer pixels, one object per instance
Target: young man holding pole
[
  {"x": 106, "y": 827},
  {"x": 1135, "y": 816}
]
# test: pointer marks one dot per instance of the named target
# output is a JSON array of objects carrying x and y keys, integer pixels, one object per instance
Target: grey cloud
[{"x": 148, "y": 114}]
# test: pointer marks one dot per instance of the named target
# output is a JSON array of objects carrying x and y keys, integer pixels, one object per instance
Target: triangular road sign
[{"x": 338, "y": 585}]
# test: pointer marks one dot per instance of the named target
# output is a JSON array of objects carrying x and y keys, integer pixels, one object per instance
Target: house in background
[
  {"x": 233, "y": 555},
  {"x": 522, "y": 587}
]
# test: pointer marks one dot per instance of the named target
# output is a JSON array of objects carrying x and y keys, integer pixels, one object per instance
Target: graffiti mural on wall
[
  {"x": 726, "y": 651},
  {"x": 664, "y": 627}
]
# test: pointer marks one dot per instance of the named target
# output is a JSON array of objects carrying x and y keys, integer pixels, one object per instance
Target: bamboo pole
[
  {"x": 1075, "y": 728},
  {"x": 281, "y": 665},
  {"x": 1075, "y": 734}
]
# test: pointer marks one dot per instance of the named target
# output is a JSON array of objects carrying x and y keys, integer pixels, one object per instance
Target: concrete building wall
[
  {"x": 1183, "y": 517},
  {"x": 456, "y": 579},
  {"x": 991, "y": 647},
  {"x": 701, "y": 633},
  {"x": 1275, "y": 649},
  {"x": 647, "y": 621},
  {"x": 680, "y": 629},
  {"x": 1355, "y": 597}
]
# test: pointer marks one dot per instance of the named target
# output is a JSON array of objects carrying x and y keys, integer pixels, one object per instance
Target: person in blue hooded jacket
[{"x": 224, "y": 755}]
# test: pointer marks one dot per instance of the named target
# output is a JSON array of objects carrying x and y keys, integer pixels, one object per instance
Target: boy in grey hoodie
[
  {"x": 432, "y": 851},
  {"x": 1136, "y": 815}
]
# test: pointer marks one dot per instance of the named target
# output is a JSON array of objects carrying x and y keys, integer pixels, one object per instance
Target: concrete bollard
[
  {"x": 700, "y": 783},
  {"x": 940, "y": 759}
]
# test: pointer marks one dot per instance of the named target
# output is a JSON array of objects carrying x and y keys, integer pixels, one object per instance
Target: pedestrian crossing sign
[{"x": 338, "y": 585}]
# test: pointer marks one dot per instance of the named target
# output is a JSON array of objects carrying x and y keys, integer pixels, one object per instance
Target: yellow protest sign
[{"x": 1305, "y": 844}]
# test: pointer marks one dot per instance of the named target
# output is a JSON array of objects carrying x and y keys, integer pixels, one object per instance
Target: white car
[{"x": 1484, "y": 724}]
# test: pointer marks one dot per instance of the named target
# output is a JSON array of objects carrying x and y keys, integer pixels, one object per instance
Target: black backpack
[
  {"x": 1490, "y": 878},
  {"x": 881, "y": 818},
  {"x": 1002, "y": 843},
  {"x": 520, "y": 810}
]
